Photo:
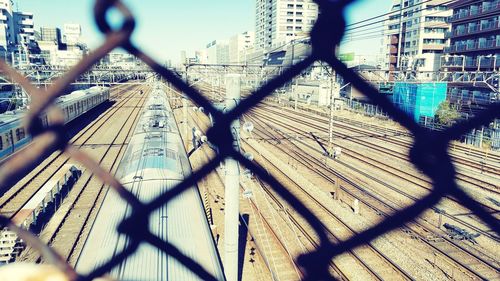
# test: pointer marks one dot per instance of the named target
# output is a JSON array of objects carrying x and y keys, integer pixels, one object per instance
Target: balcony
[
  {"x": 457, "y": 62},
  {"x": 434, "y": 47},
  {"x": 27, "y": 22},
  {"x": 27, "y": 30},
  {"x": 394, "y": 40},
  {"x": 471, "y": 13},
  {"x": 491, "y": 26},
  {"x": 393, "y": 50},
  {"x": 393, "y": 59},
  {"x": 474, "y": 46}
]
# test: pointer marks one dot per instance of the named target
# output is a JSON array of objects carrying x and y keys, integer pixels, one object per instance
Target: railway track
[
  {"x": 478, "y": 183},
  {"x": 13, "y": 200},
  {"x": 374, "y": 262},
  {"x": 457, "y": 150},
  {"x": 478, "y": 264},
  {"x": 407, "y": 176},
  {"x": 61, "y": 216},
  {"x": 283, "y": 269},
  {"x": 479, "y": 166},
  {"x": 71, "y": 229},
  {"x": 492, "y": 167},
  {"x": 377, "y": 270}
]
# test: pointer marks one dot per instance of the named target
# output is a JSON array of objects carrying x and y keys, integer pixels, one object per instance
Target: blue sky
[{"x": 165, "y": 27}]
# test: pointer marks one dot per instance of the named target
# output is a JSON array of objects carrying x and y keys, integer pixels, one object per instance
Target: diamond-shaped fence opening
[{"x": 429, "y": 152}]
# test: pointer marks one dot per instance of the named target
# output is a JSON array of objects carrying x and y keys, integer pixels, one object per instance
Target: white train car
[
  {"x": 154, "y": 162},
  {"x": 13, "y": 135}
]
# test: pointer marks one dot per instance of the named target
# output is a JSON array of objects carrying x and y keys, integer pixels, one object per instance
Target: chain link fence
[{"x": 429, "y": 152}]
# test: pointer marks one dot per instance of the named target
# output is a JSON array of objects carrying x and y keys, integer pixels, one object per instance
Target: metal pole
[
  {"x": 296, "y": 94},
  {"x": 400, "y": 43},
  {"x": 481, "y": 137},
  {"x": 330, "y": 129},
  {"x": 185, "y": 111},
  {"x": 232, "y": 185}
]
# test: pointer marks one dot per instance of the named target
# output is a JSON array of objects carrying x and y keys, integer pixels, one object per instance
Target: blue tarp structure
[{"x": 419, "y": 99}]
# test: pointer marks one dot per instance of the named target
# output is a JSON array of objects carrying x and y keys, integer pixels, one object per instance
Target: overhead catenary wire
[{"x": 380, "y": 32}]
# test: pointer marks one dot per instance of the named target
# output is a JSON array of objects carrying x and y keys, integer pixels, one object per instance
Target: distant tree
[{"x": 446, "y": 114}]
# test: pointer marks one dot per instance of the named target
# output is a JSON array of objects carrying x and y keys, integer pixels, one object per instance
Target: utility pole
[
  {"x": 296, "y": 94},
  {"x": 185, "y": 110},
  {"x": 400, "y": 38},
  {"x": 330, "y": 129},
  {"x": 232, "y": 185}
]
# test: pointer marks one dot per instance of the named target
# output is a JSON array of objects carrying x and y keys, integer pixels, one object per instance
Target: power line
[
  {"x": 383, "y": 20},
  {"x": 380, "y": 31},
  {"x": 389, "y": 13}
]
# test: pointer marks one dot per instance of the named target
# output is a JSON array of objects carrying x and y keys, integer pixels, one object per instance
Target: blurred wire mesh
[{"x": 429, "y": 152}]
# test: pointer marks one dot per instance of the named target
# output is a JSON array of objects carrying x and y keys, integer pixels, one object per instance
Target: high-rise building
[
  {"x": 281, "y": 21},
  {"x": 474, "y": 36},
  {"x": 414, "y": 36},
  {"x": 7, "y": 34},
  {"x": 72, "y": 34},
  {"x": 183, "y": 57},
  {"x": 239, "y": 47},
  {"x": 50, "y": 34},
  {"x": 49, "y": 43},
  {"x": 16, "y": 28},
  {"x": 201, "y": 56},
  {"x": 24, "y": 28},
  {"x": 474, "y": 47},
  {"x": 218, "y": 52}
]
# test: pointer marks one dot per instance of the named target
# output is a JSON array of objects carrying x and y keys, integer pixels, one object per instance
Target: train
[
  {"x": 13, "y": 134},
  {"x": 154, "y": 161}
]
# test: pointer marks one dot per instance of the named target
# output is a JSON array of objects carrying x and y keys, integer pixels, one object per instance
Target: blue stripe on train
[{"x": 19, "y": 145}]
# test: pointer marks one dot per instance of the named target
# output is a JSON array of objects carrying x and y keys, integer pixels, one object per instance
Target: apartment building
[
  {"x": 16, "y": 28},
  {"x": 414, "y": 36},
  {"x": 218, "y": 52},
  {"x": 24, "y": 28},
  {"x": 240, "y": 46},
  {"x": 474, "y": 47},
  {"x": 474, "y": 36},
  {"x": 281, "y": 21},
  {"x": 7, "y": 34}
]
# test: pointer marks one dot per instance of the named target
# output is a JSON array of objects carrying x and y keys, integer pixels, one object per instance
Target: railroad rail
[
  {"x": 384, "y": 208},
  {"x": 282, "y": 245},
  {"x": 82, "y": 140}
]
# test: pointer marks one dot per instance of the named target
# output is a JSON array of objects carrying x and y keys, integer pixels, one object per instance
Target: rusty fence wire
[{"x": 429, "y": 152}]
